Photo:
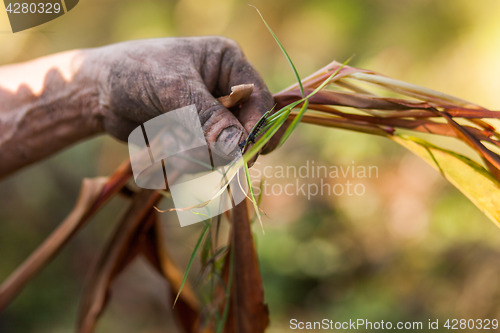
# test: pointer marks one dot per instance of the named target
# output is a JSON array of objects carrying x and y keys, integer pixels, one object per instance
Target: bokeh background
[{"x": 411, "y": 248}]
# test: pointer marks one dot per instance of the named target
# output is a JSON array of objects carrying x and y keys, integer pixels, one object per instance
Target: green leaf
[
  {"x": 471, "y": 178},
  {"x": 284, "y": 52},
  {"x": 227, "y": 295},
  {"x": 252, "y": 196},
  {"x": 294, "y": 123},
  {"x": 259, "y": 144},
  {"x": 191, "y": 260}
]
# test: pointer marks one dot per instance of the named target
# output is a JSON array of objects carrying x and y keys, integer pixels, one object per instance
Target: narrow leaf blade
[{"x": 466, "y": 175}]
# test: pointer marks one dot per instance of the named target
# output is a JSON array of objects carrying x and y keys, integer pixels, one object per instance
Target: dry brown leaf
[
  {"x": 247, "y": 313},
  {"x": 90, "y": 192},
  {"x": 239, "y": 94},
  {"x": 187, "y": 308},
  {"x": 118, "y": 253}
]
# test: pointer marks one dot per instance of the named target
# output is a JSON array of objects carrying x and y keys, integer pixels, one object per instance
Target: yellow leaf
[{"x": 469, "y": 177}]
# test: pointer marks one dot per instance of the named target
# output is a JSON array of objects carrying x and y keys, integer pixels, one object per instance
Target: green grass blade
[
  {"x": 206, "y": 252},
  {"x": 294, "y": 123},
  {"x": 271, "y": 119},
  {"x": 261, "y": 192},
  {"x": 259, "y": 144},
  {"x": 191, "y": 260},
  {"x": 265, "y": 115},
  {"x": 273, "y": 126},
  {"x": 297, "y": 76},
  {"x": 220, "y": 324},
  {"x": 256, "y": 123},
  {"x": 252, "y": 196}
]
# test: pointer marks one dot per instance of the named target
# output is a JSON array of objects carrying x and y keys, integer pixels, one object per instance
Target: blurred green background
[{"x": 411, "y": 248}]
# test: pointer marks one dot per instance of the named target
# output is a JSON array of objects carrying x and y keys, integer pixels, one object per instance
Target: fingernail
[{"x": 228, "y": 140}]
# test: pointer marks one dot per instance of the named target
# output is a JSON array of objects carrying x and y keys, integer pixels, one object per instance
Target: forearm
[
  {"x": 46, "y": 105},
  {"x": 52, "y": 102}
]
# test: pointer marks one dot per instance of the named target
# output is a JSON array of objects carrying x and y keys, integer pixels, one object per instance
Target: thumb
[{"x": 223, "y": 131}]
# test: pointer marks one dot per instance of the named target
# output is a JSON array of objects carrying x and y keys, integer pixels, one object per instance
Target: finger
[
  {"x": 223, "y": 131},
  {"x": 260, "y": 101},
  {"x": 253, "y": 109}
]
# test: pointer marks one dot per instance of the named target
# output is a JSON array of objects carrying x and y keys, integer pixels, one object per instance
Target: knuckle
[
  {"x": 227, "y": 45},
  {"x": 210, "y": 114},
  {"x": 227, "y": 42}
]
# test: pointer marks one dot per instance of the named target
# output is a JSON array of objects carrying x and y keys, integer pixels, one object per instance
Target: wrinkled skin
[
  {"x": 52, "y": 102},
  {"x": 149, "y": 77}
]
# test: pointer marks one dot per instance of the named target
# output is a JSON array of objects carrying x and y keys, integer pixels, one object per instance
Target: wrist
[
  {"x": 47, "y": 104},
  {"x": 90, "y": 88}
]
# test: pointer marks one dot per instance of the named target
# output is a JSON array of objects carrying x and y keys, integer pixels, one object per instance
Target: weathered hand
[
  {"x": 52, "y": 102},
  {"x": 145, "y": 78}
]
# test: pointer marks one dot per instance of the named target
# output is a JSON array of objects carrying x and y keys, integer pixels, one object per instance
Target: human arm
[{"x": 50, "y": 103}]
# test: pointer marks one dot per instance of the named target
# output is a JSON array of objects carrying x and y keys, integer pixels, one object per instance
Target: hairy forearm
[{"x": 45, "y": 105}]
